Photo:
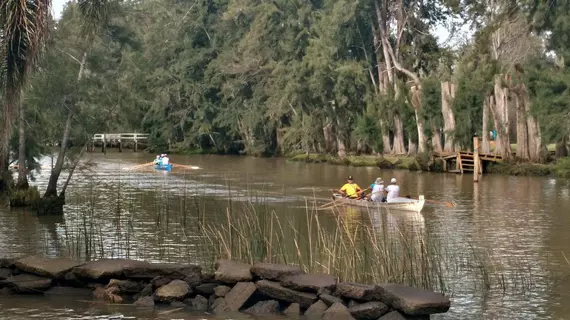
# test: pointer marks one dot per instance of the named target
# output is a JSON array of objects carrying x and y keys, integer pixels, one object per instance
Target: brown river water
[{"x": 517, "y": 225}]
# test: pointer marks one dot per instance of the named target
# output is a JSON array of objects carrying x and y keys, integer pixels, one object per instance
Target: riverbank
[
  {"x": 261, "y": 289},
  {"x": 559, "y": 168}
]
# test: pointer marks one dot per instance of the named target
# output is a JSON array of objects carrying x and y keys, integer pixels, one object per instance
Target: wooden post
[
  {"x": 476, "y": 158},
  {"x": 120, "y": 144},
  {"x": 136, "y": 143},
  {"x": 103, "y": 148}
]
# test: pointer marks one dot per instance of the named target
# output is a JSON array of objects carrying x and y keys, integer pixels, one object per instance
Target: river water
[{"x": 501, "y": 247}]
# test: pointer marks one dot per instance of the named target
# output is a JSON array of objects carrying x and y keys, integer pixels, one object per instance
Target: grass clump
[
  {"x": 27, "y": 197},
  {"x": 562, "y": 168},
  {"x": 520, "y": 169}
]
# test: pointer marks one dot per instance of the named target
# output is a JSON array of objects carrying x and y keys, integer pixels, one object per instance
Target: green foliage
[{"x": 563, "y": 168}]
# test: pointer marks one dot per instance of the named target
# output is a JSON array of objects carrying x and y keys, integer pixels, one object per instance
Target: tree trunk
[
  {"x": 22, "y": 168},
  {"x": 51, "y": 190},
  {"x": 447, "y": 96},
  {"x": 499, "y": 110},
  {"x": 328, "y": 135},
  {"x": 485, "y": 145},
  {"x": 412, "y": 147},
  {"x": 522, "y": 130},
  {"x": 11, "y": 102},
  {"x": 436, "y": 139},
  {"x": 340, "y": 145},
  {"x": 417, "y": 104},
  {"x": 535, "y": 145},
  {"x": 398, "y": 147}
]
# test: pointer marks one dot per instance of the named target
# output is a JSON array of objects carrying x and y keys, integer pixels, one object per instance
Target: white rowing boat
[{"x": 400, "y": 204}]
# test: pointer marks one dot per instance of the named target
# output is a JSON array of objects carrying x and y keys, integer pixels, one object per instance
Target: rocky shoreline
[{"x": 261, "y": 289}]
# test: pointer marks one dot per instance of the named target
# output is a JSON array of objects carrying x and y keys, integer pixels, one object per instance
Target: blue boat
[{"x": 163, "y": 167}]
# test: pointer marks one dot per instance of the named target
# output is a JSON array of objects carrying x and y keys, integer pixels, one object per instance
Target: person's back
[
  {"x": 393, "y": 191},
  {"x": 165, "y": 160},
  {"x": 377, "y": 192}
]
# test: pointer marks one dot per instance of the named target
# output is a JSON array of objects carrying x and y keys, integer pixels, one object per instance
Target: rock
[
  {"x": 193, "y": 279},
  {"x": 146, "y": 291},
  {"x": 324, "y": 291},
  {"x": 69, "y": 292},
  {"x": 358, "y": 291},
  {"x": 178, "y": 304},
  {"x": 352, "y": 303},
  {"x": 309, "y": 282},
  {"x": 330, "y": 300},
  {"x": 160, "y": 281},
  {"x": 5, "y": 273},
  {"x": 316, "y": 310},
  {"x": 99, "y": 293},
  {"x": 127, "y": 286},
  {"x": 221, "y": 291},
  {"x": 293, "y": 310},
  {"x": 29, "y": 283},
  {"x": 395, "y": 315},
  {"x": 369, "y": 310},
  {"x": 208, "y": 277},
  {"x": 217, "y": 302},
  {"x": 270, "y": 271},
  {"x": 52, "y": 268},
  {"x": 145, "y": 302},
  {"x": 175, "y": 290},
  {"x": 413, "y": 301},
  {"x": 6, "y": 263},
  {"x": 111, "y": 294},
  {"x": 211, "y": 301},
  {"x": 276, "y": 291},
  {"x": 199, "y": 303},
  {"x": 229, "y": 271},
  {"x": 267, "y": 307},
  {"x": 239, "y": 295},
  {"x": 103, "y": 269},
  {"x": 206, "y": 289},
  {"x": 71, "y": 279},
  {"x": 145, "y": 270},
  {"x": 337, "y": 312}
]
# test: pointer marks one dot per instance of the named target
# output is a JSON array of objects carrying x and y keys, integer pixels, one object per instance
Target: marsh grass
[{"x": 365, "y": 246}]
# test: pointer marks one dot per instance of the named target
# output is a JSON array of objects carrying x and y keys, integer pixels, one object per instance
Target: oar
[
  {"x": 448, "y": 204},
  {"x": 187, "y": 167},
  {"x": 141, "y": 165}
]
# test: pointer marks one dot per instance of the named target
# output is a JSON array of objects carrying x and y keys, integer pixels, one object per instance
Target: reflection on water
[{"x": 515, "y": 226}]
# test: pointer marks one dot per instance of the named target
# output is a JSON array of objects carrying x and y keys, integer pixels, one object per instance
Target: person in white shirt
[
  {"x": 393, "y": 190},
  {"x": 377, "y": 193},
  {"x": 165, "y": 160}
]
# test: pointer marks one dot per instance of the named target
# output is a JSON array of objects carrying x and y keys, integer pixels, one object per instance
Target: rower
[
  {"x": 165, "y": 160},
  {"x": 350, "y": 189},
  {"x": 157, "y": 160},
  {"x": 377, "y": 193},
  {"x": 392, "y": 190}
]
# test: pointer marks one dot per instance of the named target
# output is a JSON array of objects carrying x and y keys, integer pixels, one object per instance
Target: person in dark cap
[{"x": 350, "y": 189}]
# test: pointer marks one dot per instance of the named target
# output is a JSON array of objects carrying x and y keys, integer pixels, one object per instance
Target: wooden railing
[{"x": 118, "y": 140}]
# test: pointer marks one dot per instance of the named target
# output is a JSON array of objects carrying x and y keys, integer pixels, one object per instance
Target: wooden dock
[
  {"x": 120, "y": 140},
  {"x": 464, "y": 161}
]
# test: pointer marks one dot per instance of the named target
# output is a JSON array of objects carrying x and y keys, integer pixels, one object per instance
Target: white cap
[{"x": 393, "y": 180}]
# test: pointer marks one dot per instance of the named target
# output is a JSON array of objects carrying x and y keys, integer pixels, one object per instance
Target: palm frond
[{"x": 95, "y": 14}]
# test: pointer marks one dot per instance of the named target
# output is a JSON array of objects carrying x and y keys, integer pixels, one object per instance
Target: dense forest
[{"x": 286, "y": 76}]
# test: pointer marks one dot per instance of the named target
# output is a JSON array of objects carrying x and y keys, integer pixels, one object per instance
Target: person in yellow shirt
[{"x": 350, "y": 189}]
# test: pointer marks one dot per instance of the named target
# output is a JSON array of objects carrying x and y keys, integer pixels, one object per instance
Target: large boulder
[
  {"x": 207, "y": 288},
  {"x": 293, "y": 310},
  {"x": 329, "y": 299},
  {"x": 358, "y": 291},
  {"x": 105, "y": 269},
  {"x": 316, "y": 310},
  {"x": 176, "y": 290},
  {"x": 173, "y": 271},
  {"x": 29, "y": 283},
  {"x": 267, "y": 307},
  {"x": 221, "y": 291},
  {"x": 276, "y": 291},
  {"x": 52, "y": 268},
  {"x": 229, "y": 271},
  {"x": 337, "y": 312},
  {"x": 413, "y": 301},
  {"x": 309, "y": 282},
  {"x": 369, "y": 310},
  {"x": 271, "y": 271},
  {"x": 145, "y": 302},
  {"x": 237, "y": 296},
  {"x": 199, "y": 303}
]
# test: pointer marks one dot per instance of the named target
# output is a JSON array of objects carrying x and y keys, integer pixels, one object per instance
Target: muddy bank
[{"x": 261, "y": 289}]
